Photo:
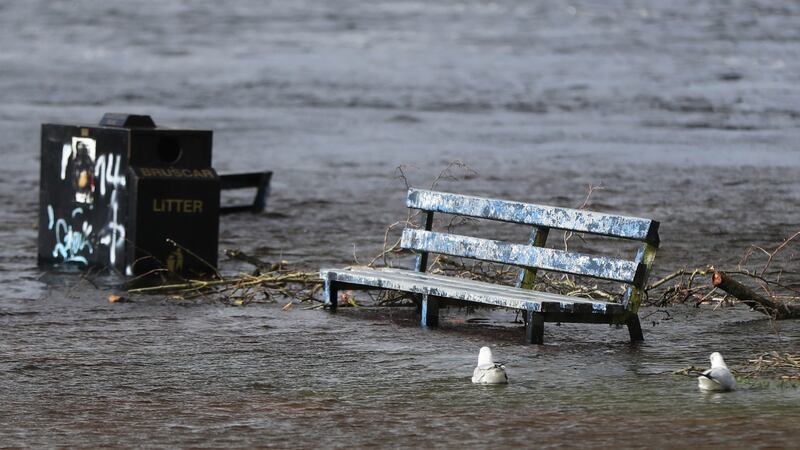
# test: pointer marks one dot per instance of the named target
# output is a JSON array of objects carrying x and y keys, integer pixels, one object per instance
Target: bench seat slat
[
  {"x": 523, "y": 255},
  {"x": 486, "y": 288},
  {"x": 543, "y": 216},
  {"x": 468, "y": 290}
]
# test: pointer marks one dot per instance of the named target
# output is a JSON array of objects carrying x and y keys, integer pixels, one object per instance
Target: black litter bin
[{"x": 133, "y": 197}]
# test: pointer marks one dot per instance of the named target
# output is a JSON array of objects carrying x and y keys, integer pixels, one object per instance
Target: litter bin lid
[{"x": 124, "y": 120}]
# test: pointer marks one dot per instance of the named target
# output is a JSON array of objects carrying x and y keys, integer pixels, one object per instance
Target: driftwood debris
[
  {"x": 775, "y": 309},
  {"x": 783, "y": 366},
  {"x": 269, "y": 282}
]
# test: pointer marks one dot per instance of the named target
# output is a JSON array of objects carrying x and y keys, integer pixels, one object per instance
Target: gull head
[
  {"x": 717, "y": 361},
  {"x": 485, "y": 359}
]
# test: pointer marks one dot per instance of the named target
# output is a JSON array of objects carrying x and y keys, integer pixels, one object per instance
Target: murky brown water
[{"x": 685, "y": 113}]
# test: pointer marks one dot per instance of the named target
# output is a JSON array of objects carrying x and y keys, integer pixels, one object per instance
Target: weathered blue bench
[{"x": 538, "y": 307}]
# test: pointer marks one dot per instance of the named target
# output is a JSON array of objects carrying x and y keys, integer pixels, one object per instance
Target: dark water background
[{"x": 686, "y": 112}]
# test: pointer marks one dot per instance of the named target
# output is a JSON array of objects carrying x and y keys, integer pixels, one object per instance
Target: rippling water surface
[{"x": 687, "y": 113}]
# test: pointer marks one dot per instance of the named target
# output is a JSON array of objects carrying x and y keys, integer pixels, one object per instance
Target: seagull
[
  {"x": 718, "y": 377},
  {"x": 488, "y": 371}
]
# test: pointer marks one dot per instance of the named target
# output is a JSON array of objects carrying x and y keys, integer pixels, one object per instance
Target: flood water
[{"x": 685, "y": 112}]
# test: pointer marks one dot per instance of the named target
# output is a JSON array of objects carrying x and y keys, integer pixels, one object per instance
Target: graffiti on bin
[{"x": 93, "y": 178}]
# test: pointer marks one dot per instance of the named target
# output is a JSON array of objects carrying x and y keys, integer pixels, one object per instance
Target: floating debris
[
  {"x": 781, "y": 366},
  {"x": 113, "y": 298}
]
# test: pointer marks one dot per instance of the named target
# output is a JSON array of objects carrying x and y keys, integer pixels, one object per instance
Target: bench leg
[
  {"x": 635, "y": 328},
  {"x": 534, "y": 327},
  {"x": 331, "y": 295},
  {"x": 430, "y": 311}
]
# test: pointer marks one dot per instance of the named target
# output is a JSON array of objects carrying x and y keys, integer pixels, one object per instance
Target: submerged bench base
[{"x": 539, "y": 307}]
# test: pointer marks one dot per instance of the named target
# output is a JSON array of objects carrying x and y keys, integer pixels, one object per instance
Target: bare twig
[{"x": 777, "y": 250}]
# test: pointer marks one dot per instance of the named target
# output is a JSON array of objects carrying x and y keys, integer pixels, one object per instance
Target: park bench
[{"x": 537, "y": 307}]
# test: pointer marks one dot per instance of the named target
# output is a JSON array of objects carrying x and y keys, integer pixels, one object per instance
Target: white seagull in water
[
  {"x": 488, "y": 371},
  {"x": 718, "y": 377}
]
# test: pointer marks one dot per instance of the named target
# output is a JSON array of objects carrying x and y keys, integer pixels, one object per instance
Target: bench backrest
[{"x": 534, "y": 256}]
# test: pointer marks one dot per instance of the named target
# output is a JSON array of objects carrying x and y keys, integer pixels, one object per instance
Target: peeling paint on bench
[
  {"x": 464, "y": 289},
  {"x": 538, "y": 307},
  {"x": 544, "y": 216},
  {"x": 524, "y": 255}
]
